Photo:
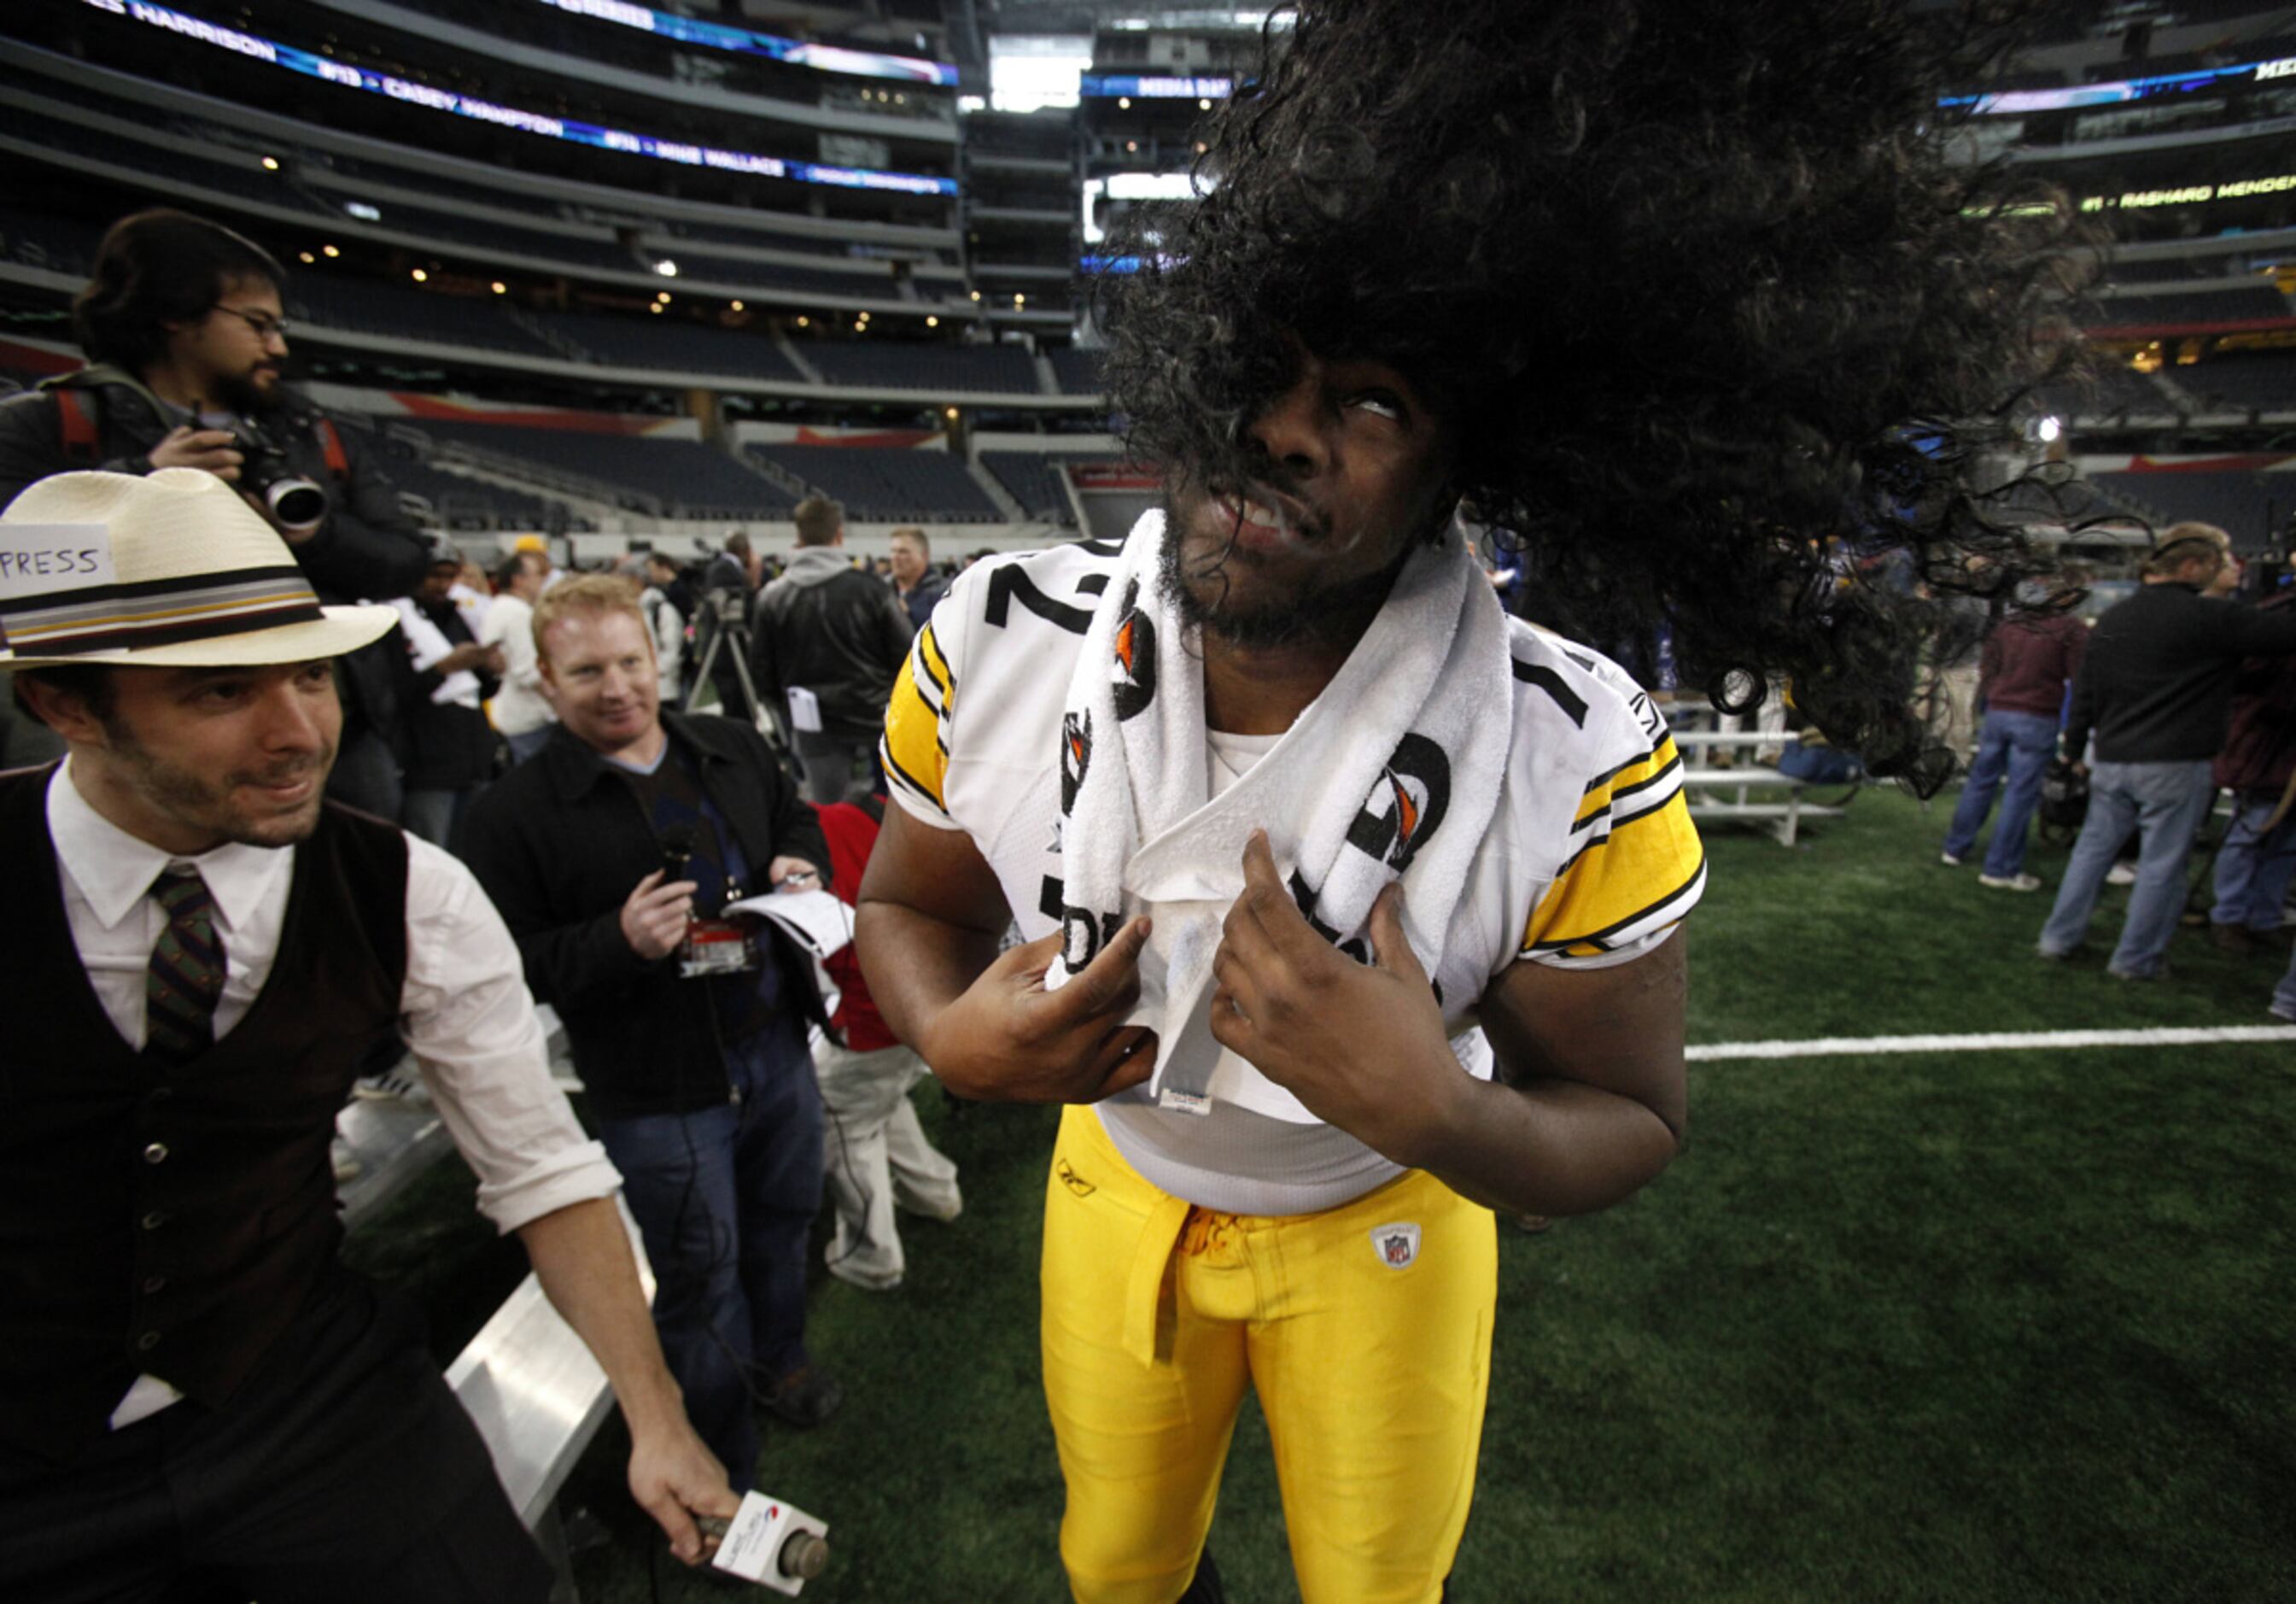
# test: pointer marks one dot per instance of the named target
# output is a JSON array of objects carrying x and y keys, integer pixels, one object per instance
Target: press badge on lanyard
[{"x": 717, "y": 947}]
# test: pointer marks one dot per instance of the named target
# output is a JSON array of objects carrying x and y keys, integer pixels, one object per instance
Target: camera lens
[{"x": 297, "y": 503}]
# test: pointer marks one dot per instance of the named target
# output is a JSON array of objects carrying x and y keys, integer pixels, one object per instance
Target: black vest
[{"x": 172, "y": 1220}]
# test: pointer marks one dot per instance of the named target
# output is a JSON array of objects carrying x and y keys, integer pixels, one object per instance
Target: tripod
[{"x": 724, "y": 617}]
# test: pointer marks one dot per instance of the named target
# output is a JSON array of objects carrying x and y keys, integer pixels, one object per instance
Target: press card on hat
[{"x": 39, "y": 557}]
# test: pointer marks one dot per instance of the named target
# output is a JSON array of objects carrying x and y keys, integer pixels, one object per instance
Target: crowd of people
[
  {"x": 1339, "y": 908},
  {"x": 2181, "y": 692}
]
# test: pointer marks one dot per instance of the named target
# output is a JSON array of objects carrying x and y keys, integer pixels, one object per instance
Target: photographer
[{"x": 185, "y": 335}]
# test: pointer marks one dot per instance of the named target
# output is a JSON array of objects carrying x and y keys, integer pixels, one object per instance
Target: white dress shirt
[{"x": 465, "y": 1012}]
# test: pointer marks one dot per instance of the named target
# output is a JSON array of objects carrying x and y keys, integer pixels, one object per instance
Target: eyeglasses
[{"x": 263, "y": 322}]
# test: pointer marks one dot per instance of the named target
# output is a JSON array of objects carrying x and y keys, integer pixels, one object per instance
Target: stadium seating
[
  {"x": 2242, "y": 504},
  {"x": 39, "y": 240},
  {"x": 939, "y": 369},
  {"x": 2110, "y": 391},
  {"x": 2249, "y": 303},
  {"x": 888, "y": 486},
  {"x": 1077, "y": 371},
  {"x": 2257, "y": 384},
  {"x": 872, "y": 281},
  {"x": 679, "y": 478},
  {"x": 673, "y": 344},
  {"x": 365, "y": 306},
  {"x": 1033, "y": 479}
]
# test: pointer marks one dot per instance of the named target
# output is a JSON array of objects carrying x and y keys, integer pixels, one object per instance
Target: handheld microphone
[
  {"x": 677, "y": 850},
  {"x": 770, "y": 1542}
]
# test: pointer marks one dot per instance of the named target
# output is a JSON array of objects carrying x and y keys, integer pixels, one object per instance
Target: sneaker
[
  {"x": 2284, "y": 1018},
  {"x": 2120, "y": 874},
  {"x": 398, "y": 1085},
  {"x": 805, "y": 1397},
  {"x": 2066, "y": 957},
  {"x": 1949, "y": 860},
  {"x": 2011, "y": 882},
  {"x": 2143, "y": 976}
]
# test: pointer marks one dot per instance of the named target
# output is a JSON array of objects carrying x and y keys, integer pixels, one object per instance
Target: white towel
[
  {"x": 426, "y": 644},
  {"x": 1393, "y": 770}
]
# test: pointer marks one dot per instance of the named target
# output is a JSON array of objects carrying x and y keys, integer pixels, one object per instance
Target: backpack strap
[
  {"x": 78, "y": 422},
  {"x": 339, "y": 461}
]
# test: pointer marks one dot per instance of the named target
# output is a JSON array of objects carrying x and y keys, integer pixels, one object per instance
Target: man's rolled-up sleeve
[{"x": 472, "y": 1026}]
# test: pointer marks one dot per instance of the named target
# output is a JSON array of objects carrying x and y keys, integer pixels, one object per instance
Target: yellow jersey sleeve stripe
[
  {"x": 1653, "y": 768},
  {"x": 1623, "y": 878},
  {"x": 914, "y": 752},
  {"x": 936, "y": 665}
]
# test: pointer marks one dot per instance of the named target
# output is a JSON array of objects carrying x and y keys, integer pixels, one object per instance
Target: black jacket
[
  {"x": 838, "y": 633},
  {"x": 920, "y": 602},
  {"x": 2157, "y": 681},
  {"x": 366, "y": 550},
  {"x": 558, "y": 843}
]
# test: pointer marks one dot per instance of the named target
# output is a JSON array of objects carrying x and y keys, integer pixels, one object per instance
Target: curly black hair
[{"x": 1716, "y": 320}]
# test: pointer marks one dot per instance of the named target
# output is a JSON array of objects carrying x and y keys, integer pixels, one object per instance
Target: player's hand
[
  {"x": 1362, "y": 1046},
  {"x": 674, "y": 1478},
  {"x": 794, "y": 874},
  {"x": 1009, "y": 1039},
  {"x": 654, "y": 916},
  {"x": 216, "y": 450}
]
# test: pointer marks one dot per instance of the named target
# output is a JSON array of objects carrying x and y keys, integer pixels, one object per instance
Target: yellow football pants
[{"x": 1365, "y": 1330}]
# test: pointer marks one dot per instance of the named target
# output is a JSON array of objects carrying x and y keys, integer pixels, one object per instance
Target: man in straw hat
[{"x": 203, "y": 953}]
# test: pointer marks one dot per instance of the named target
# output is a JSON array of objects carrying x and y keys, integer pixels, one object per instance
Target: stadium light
[
  {"x": 976, "y": 295},
  {"x": 2050, "y": 430},
  {"x": 501, "y": 288},
  {"x": 951, "y": 415},
  {"x": 421, "y": 276},
  {"x": 271, "y": 164},
  {"x": 737, "y": 306},
  {"x": 1019, "y": 300},
  {"x": 307, "y": 258},
  {"x": 666, "y": 267},
  {"x": 932, "y": 323},
  {"x": 1124, "y": 102},
  {"x": 655, "y": 308},
  {"x": 329, "y": 250},
  {"x": 804, "y": 322},
  {"x": 1203, "y": 105}
]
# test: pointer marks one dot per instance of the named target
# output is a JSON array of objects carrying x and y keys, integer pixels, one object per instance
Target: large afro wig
[{"x": 1729, "y": 343}]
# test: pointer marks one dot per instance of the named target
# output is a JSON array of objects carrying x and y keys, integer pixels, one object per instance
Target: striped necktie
[{"x": 186, "y": 979}]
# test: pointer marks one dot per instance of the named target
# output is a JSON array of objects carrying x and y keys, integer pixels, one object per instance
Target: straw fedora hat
[{"x": 167, "y": 569}]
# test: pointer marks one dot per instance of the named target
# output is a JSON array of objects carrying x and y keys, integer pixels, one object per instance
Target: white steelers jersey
[{"x": 1591, "y": 859}]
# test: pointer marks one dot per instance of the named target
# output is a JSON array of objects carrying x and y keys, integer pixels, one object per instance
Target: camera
[{"x": 296, "y": 503}]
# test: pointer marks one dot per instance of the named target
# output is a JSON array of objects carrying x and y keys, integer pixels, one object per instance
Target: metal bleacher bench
[
  {"x": 526, "y": 1379},
  {"x": 1717, "y": 791}
]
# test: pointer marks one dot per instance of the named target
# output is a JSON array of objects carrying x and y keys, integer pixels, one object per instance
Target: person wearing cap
[
  {"x": 2155, "y": 687},
  {"x": 450, "y": 675},
  {"x": 204, "y": 952},
  {"x": 186, "y": 338}
]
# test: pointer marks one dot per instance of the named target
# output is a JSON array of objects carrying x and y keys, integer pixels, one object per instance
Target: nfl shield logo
[{"x": 1398, "y": 1245}]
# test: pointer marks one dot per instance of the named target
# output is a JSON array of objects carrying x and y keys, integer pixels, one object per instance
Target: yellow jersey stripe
[
  {"x": 1625, "y": 780},
  {"x": 912, "y": 746},
  {"x": 1618, "y": 879},
  {"x": 936, "y": 663}
]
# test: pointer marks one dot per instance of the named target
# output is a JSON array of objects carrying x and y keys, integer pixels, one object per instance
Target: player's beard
[{"x": 1310, "y": 614}]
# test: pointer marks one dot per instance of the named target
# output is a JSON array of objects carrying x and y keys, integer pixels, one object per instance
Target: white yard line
[{"x": 1831, "y": 1047}]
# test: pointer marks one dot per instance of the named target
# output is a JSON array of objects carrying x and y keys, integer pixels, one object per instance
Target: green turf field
[{"x": 1999, "y": 1326}]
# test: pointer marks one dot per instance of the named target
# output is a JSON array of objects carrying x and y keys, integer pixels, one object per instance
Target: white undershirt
[{"x": 465, "y": 1012}]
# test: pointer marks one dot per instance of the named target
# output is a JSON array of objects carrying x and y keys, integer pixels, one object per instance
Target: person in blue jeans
[
  {"x": 2029, "y": 661},
  {"x": 615, "y": 856},
  {"x": 2165, "y": 803},
  {"x": 2156, "y": 687}
]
